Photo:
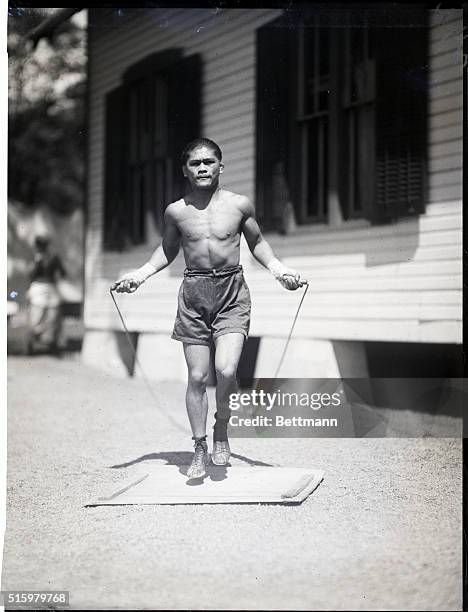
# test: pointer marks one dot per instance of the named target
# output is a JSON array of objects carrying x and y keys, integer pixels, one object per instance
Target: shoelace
[{"x": 200, "y": 453}]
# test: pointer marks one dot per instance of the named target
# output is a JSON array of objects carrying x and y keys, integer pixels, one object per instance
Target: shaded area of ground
[{"x": 383, "y": 530}]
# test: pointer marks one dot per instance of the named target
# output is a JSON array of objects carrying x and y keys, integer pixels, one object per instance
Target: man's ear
[
  {"x": 221, "y": 168},
  {"x": 183, "y": 171}
]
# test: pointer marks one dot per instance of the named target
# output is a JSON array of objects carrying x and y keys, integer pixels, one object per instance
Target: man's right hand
[{"x": 127, "y": 284}]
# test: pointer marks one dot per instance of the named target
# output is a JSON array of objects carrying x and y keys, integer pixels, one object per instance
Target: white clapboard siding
[
  {"x": 396, "y": 282},
  {"x": 446, "y": 162},
  {"x": 446, "y": 119},
  {"x": 442, "y": 149},
  {"x": 445, "y": 104},
  {"x": 445, "y": 133},
  {"x": 445, "y": 45},
  {"x": 165, "y": 301},
  {"x": 443, "y": 60}
]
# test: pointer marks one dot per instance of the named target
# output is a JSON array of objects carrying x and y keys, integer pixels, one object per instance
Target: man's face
[{"x": 202, "y": 168}]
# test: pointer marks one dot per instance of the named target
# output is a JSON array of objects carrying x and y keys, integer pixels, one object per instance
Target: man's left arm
[{"x": 262, "y": 251}]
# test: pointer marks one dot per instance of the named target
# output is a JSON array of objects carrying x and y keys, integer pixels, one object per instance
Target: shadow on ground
[{"x": 182, "y": 460}]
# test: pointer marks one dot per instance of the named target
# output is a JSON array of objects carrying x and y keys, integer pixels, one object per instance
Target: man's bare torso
[{"x": 210, "y": 235}]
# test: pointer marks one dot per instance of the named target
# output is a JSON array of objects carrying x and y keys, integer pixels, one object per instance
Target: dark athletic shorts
[{"x": 212, "y": 303}]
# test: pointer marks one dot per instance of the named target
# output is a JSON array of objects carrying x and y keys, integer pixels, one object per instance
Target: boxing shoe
[
  {"x": 200, "y": 459},
  {"x": 221, "y": 452}
]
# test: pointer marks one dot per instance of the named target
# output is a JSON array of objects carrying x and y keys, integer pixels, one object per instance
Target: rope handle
[{"x": 302, "y": 283}]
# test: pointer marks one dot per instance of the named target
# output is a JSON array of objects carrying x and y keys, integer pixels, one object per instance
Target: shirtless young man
[{"x": 214, "y": 300}]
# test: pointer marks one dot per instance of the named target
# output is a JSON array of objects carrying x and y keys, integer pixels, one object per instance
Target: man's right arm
[{"x": 164, "y": 255}]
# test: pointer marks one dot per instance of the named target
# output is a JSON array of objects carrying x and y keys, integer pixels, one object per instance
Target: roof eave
[{"x": 46, "y": 28}]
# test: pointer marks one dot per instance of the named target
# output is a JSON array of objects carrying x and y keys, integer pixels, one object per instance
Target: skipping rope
[
  {"x": 291, "y": 330},
  {"x": 142, "y": 372},
  {"x": 148, "y": 384}
]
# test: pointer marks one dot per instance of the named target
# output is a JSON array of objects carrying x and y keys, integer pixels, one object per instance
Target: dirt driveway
[{"x": 382, "y": 531}]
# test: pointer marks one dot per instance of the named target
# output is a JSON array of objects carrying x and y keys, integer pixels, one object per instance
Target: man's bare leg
[
  {"x": 228, "y": 352},
  {"x": 197, "y": 357}
]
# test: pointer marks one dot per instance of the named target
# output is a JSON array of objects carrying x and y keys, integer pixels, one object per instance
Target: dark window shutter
[
  {"x": 184, "y": 81},
  {"x": 401, "y": 115},
  {"x": 114, "y": 185},
  {"x": 275, "y": 118},
  {"x": 149, "y": 120}
]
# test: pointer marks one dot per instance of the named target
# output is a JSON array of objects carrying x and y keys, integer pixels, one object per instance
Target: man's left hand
[{"x": 290, "y": 279}]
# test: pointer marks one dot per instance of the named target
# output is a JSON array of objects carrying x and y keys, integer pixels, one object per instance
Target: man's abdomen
[{"x": 209, "y": 253}]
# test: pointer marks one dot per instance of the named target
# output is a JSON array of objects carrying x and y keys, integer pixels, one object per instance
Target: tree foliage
[{"x": 46, "y": 113}]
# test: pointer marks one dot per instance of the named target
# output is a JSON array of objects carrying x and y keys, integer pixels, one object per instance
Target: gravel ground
[{"x": 382, "y": 531}]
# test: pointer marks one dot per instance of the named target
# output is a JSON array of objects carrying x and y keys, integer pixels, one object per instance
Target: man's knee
[
  {"x": 226, "y": 373},
  {"x": 198, "y": 378}
]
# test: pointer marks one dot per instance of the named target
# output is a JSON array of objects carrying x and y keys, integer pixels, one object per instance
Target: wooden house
[{"x": 344, "y": 127}]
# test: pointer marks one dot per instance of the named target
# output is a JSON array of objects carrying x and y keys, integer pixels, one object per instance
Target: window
[
  {"x": 341, "y": 114},
  {"x": 149, "y": 119},
  {"x": 313, "y": 116},
  {"x": 358, "y": 103}
]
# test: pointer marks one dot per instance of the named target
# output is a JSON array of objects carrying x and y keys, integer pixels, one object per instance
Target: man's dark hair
[{"x": 196, "y": 144}]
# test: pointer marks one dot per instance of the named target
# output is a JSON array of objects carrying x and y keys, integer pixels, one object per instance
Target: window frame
[
  {"x": 306, "y": 121},
  {"x": 362, "y": 112}
]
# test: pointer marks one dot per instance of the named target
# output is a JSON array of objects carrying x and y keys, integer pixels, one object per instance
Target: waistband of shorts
[{"x": 214, "y": 272}]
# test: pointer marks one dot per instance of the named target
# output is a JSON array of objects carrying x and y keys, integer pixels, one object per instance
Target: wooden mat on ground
[{"x": 168, "y": 484}]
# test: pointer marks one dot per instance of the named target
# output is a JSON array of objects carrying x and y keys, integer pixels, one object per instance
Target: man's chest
[{"x": 215, "y": 223}]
